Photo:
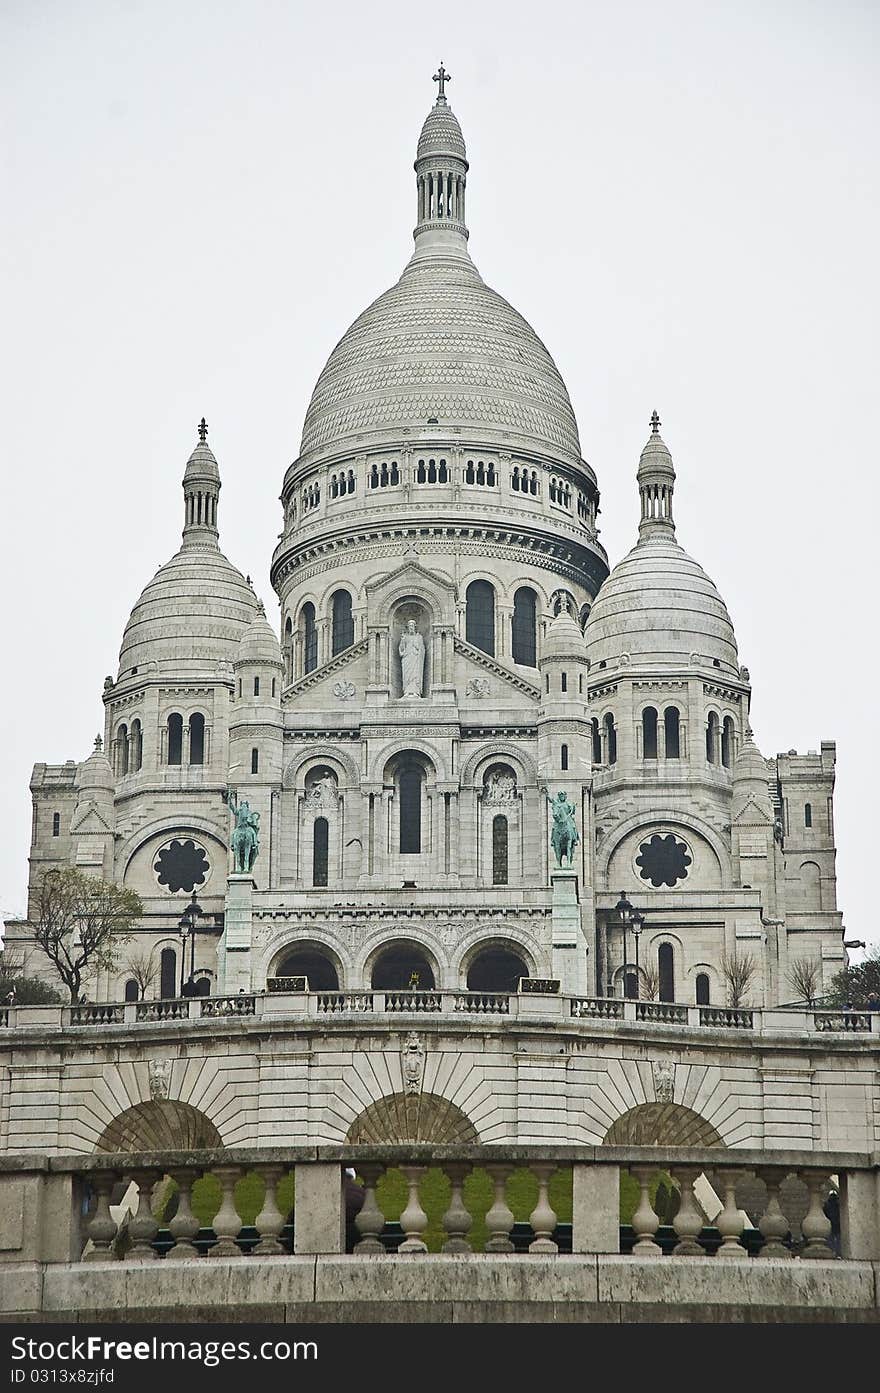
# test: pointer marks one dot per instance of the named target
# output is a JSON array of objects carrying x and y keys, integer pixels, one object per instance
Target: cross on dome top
[
  {"x": 655, "y": 423},
  {"x": 203, "y": 430},
  {"x": 441, "y": 76}
]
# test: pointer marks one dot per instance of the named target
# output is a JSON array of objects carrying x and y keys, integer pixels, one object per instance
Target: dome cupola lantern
[
  {"x": 656, "y": 478},
  {"x": 201, "y": 489},
  {"x": 441, "y": 170}
]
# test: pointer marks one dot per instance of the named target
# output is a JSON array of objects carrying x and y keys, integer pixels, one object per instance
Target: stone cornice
[{"x": 319, "y": 674}]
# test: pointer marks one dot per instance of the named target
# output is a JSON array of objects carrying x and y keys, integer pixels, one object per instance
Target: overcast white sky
[{"x": 681, "y": 197}]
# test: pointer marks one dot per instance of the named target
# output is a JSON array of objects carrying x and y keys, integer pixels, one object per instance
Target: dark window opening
[
  {"x": 480, "y": 616},
  {"x": 131, "y": 991},
  {"x": 524, "y": 627},
  {"x": 563, "y": 681},
  {"x": 666, "y": 968},
  {"x": 320, "y": 851},
  {"x": 499, "y": 850},
  {"x": 649, "y": 733},
  {"x": 398, "y": 965},
  {"x": 167, "y": 973},
  {"x": 563, "y": 757},
  {"x": 175, "y": 738},
  {"x": 702, "y": 989},
  {"x": 310, "y": 637},
  {"x": 306, "y": 962},
  {"x": 137, "y": 746},
  {"x": 808, "y": 815},
  {"x": 343, "y": 622},
  {"x": 597, "y": 740},
  {"x": 712, "y": 738},
  {"x": 672, "y": 731},
  {"x": 410, "y": 794},
  {"x": 255, "y": 761},
  {"x": 610, "y": 739},
  {"x": 56, "y": 824},
  {"x": 197, "y": 738},
  {"x": 727, "y": 742},
  {"x": 256, "y": 686},
  {"x": 496, "y": 970}
]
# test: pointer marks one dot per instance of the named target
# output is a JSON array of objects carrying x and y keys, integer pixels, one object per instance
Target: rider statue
[
  {"x": 245, "y": 834},
  {"x": 564, "y": 837}
]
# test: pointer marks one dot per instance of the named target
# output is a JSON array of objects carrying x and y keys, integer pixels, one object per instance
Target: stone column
[{"x": 319, "y": 1209}]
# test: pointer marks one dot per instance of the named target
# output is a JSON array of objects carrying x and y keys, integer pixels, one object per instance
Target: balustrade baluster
[
  {"x": 101, "y": 1227},
  {"x": 730, "y": 1222},
  {"x": 499, "y": 1219},
  {"x": 815, "y": 1225},
  {"x": 270, "y": 1221},
  {"x": 773, "y": 1224},
  {"x": 143, "y": 1226},
  {"x": 370, "y": 1221},
  {"x": 457, "y": 1220},
  {"x": 227, "y": 1220},
  {"x": 413, "y": 1220},
  {"x": 543, "y": 1216},
  {"x": 688, "y": 1222},
  {"x": 184, "y": 1225},
  {"x": 645, "y": 1221}
]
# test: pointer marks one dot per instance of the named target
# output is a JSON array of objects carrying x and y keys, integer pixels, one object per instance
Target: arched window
[
  {"x": 255, "y": 761},
  {"x": 167, "y": 973},
  {"x": 496, "y": 969},
  {"x": 343, "y": 623},
  {"x": 311, "y": 963},
  {"x": 480, "y": 616},
  {"x": 808, "y": 814},
  {"x": 175, "y": 738},
  {"x": 610, "y": 739},
  {"x": 672, "y": 732},
  {"x": 197, "y": 738},
  {"x": 499, "y": 849},
  {"x": 136, "y": 746},
  {"x": 320, "y": 846},
  {"x": 563, "y": 757},
  {"x": 666, "y": 969},
  {"x": 122, "y": 749},
  {"x": 702, "y": 989},
  {"x": 131, "y": 991},
  {"x": 727, "y": 742},
  {"x": 597, "y": 740},
  {"x": 649, "y": 733},
  {"x": 56, "y": 824},
  {"x": 397, "y": 964},
  {"x": 309, "y": 632},
  {"x": 712, "y": 738},
  {"x": 409, "y": 788},
  {"x": 525, "y": 608}
]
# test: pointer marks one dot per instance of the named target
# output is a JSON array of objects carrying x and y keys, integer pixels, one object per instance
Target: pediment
[
  {"x": 482, "y": 678},
  {"x": 89, "y": 819},
  {"x": 752, "y": 815},
  {"x": 337, "y": 687}
]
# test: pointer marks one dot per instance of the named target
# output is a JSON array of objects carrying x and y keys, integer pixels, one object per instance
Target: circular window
[
  {"x": 663, "y": 860},
  {"x": 182, "y": 865}
]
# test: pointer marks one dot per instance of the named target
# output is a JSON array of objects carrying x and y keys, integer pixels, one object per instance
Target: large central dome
[{"x": 440, "y": 348}]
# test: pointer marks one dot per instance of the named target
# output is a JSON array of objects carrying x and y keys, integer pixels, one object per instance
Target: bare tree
[
  {"x": 142, "y": 967},
  {"x": 81, "y": 923},
  {"x": 649, "y": 983},
  {"x": 805, "y": 975},
  {"x": 739, "y": 971}
]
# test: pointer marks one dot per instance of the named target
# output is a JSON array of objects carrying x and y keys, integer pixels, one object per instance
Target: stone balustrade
[
  {"x": 90, "y": 1234},
  {"x": 298, "y": 1000}
]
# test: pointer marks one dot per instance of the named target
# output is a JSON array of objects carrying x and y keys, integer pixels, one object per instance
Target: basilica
[{"x": 358, "y": 797}]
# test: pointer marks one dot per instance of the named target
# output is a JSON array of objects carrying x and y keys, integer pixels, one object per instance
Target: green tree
[
  {"x": 850, "y": 986},
  {"x": 81, "y": 923},
  {"x": 16, "y": 982}
]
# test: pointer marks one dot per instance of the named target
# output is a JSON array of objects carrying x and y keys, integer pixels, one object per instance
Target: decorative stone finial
[
  {"x": 99, "y": 744},
  {"x": 203, "y": 430},
  {"x": 441, "y": 77},
  {"x": 655, "y": 423}
]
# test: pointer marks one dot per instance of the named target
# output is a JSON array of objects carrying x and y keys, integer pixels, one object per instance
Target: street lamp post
[
  {"x": 629, "y": 916},
  {"x": 638, "y": 924},
  {"x": 188, "y": 924}
]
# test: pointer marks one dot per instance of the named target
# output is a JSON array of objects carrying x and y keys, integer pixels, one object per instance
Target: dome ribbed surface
[
  {"x": 440, "y": 343},
  {"x": 441, "y": 134},
  {"x": 258, "y": 644},
  {"x": 190, "y": 617},
  {"x": 658, "y": 603}
]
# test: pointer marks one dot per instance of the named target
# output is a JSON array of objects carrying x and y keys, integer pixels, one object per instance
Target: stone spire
[
  {"x": 201, "y": 488},
  {"x": 656, "y": 477},
  {"x": 441, "y": 169}
]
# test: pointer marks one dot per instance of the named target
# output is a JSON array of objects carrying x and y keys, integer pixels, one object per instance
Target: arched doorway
[
  {"x": 313, "y": 964},
  {"x": 661, "y": 1124},
  {"x": 396, "y": 966},
  {"x": 404, "y": 1117},
  {"x": 160, "y": 1125},
  {"x": 496, "y": 968}
]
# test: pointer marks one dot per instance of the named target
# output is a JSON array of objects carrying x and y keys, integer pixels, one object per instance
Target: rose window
[
  {"x": 181, "y": 865},
  {"x": 663, "y": 860}
]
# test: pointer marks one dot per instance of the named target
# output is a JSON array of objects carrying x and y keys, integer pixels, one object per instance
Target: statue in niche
[
  {"x": 564, "y": 837},
  {"x": 322, "y": 793},
  {"x": 412, "y": 660},
  {"x": 500, "y": 787}
]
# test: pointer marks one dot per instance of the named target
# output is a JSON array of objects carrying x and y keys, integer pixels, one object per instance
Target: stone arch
[
  {"x": 160, "y": 1125},
  {"x": 412, "y": 1117},
  {"x": 388, "y": 938},
  {"x": 510, "y": 942},
  {"x": 168, "y": 827},
  {"x": 310, "y": 943},
  {"x": 688, "y": 826},
  {"x": 339, "y": 760},
  {"x": 412, "y": 582},
  {"x": 413, "y": 745},
  {"x": 501, "y": 751},
  {"x": 661, "y": 1124}
]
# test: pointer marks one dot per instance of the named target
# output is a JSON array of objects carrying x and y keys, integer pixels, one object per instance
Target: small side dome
[
  {"x": 564, "y": 639},
  {"x": 750, "y": 779},
  {"x": 258, "y": 644},
  {"x": 95, "y": 774}
]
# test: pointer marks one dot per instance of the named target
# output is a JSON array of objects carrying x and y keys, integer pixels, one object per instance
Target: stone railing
[
  {"x": 729, "y": 1203},
  {"x": 290, "y": 997}
]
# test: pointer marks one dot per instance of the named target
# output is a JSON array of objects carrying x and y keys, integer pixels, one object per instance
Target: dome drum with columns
[{"x": 451, "y": 654}]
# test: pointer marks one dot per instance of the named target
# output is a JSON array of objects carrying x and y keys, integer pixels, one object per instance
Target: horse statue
[
  {"x": 245, "y": 834},
  {"x": 564, "y": 837}
]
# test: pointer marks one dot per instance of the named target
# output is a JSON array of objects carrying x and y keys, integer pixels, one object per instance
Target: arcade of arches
[{"x": 402, "y": 965}]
